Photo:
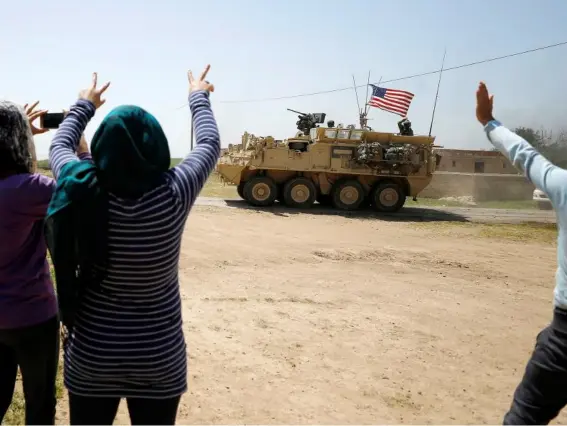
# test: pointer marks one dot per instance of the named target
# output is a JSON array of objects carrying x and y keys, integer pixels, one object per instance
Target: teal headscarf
[{"x": 130, "y": 157}]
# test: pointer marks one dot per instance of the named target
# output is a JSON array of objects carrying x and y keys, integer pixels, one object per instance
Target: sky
[{"x": 271, "y": 48}]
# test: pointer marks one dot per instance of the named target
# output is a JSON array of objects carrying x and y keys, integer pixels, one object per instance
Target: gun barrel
[{"x": 297, "y": 112}]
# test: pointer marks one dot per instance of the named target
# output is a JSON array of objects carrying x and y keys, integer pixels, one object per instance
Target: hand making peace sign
[
  {"x": 93, "y": 94},
  {"x": 200, "y": 83}
]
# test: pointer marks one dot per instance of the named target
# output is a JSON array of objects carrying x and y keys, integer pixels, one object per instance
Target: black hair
[{"x": 16, "y": 140}]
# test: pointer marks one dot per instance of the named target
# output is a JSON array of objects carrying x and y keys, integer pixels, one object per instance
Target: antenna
[
  {"x": 437, "y": 94},
  {"x": 368, "y": 87},
  {"x": 356, "y": 94}
]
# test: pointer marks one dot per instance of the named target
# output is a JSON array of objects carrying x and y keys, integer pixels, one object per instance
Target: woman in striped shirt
[{"x": 114, "y": 231}]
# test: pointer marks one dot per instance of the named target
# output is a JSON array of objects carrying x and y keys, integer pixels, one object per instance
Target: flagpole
[
  {"x": 437, "y": 93},
  {"x": 363, "y": 115},
  {"x": 368, "y": 87}
]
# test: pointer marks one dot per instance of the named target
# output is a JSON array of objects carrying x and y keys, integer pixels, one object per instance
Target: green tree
[
  {"x": 553, "y": 147},
  {"x": 532, "y": 136}
]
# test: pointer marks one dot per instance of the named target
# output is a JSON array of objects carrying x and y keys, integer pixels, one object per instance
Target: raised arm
[
  {"x": 69, "y": 134},
  {"x": 66, "y": 141},
  {"x": 541, "y": 172},
  {"x": 189, "y": 176}
]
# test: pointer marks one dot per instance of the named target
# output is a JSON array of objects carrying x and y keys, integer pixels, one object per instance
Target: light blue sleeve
[{"x": 542, "y": 173}]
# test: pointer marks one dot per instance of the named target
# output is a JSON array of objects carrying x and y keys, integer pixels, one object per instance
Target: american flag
[{"x": 396, "y": 101}]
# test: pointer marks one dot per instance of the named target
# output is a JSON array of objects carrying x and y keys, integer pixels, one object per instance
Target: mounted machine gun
[{"x": 307, "y": 122}]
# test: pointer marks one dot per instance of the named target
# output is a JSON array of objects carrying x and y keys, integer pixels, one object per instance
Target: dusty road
[
  {"x": 412, "y": 211},
  {"x": 302, "y": 318}
]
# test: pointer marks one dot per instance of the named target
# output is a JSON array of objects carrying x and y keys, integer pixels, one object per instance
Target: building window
[
  {"x": 479, "y": 166},
  {"x": 503, "y": 165},
  {"x": 454, "y": 164}
]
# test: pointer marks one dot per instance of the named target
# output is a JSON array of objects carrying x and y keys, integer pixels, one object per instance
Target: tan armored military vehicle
[{"x": 343, "y": 167}]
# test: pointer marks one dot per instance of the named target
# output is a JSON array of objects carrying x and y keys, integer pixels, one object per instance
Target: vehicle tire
[
  {"x": 299, "y": 192},
  {"x": 260, "y": 191},
  {"x": 347, "y": 194},
  {"x": 544, "y": 205},
  {"x": 388, "y": 197},
  {"x": 240, "y": 190}
]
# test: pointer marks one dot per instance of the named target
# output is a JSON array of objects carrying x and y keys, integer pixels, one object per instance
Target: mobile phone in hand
[{"x": 51, "y": 120}]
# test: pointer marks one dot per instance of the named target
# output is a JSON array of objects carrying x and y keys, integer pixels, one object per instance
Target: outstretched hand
[
  {"x": 200, "y": 83},
  {"x": 34, "y": 115},
  {"x": 484, "y": 104},
  {"x": 93, "y": 94}
]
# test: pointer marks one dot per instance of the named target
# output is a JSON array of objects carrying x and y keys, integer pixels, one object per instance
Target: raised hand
[
  {"x": 94, "y": 94},
  {"x": 484, "y": 104},
  {"x": 200, "y": 83},
  {"x": 34, "y": 115}
]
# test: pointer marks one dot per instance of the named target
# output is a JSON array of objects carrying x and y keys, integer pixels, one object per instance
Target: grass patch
[
  {"x": 43, "y": 164},
  {"x": 214, "y": 187},
  {"x": 512, "y": 205},
  {"x": 545, "y": 233},
  {"x": 16, "y": 414},
  {"x": 529, "y": 232}
]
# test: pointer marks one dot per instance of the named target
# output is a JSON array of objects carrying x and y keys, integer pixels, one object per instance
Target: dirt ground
[{"x": 299, "y": 318}]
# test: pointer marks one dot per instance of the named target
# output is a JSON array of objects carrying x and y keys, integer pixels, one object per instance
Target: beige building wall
[{"x": 468, "y": 161}]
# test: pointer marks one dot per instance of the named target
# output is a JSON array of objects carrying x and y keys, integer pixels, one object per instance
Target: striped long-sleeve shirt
[{"x": 128, "y": 339}]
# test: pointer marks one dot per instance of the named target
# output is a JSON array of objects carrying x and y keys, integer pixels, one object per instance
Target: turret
[{"x": 307, "y": 122}]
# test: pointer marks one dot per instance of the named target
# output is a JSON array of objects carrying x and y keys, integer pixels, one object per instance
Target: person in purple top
[{"x": 29, "y": 323}]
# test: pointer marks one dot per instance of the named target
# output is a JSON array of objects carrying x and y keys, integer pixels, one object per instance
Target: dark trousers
[
  {"x": 35, "y": 350},
  {"x": 87, "y": 410},
  {"x": 542, "y": 393}
]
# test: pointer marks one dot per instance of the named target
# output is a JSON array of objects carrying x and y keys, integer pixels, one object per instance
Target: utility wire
[{"x": 342, "y": 89}]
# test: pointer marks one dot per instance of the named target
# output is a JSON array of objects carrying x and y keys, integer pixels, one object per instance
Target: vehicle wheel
[
  {"x": 544, "y": 206},
  {"x": 240, "y": 190},
  {"x": 347, "y": 195},
  {"x": 388, "y": 197},
  {"x": 260, "y": 191},
  {"x": 299, "y": 192}
]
